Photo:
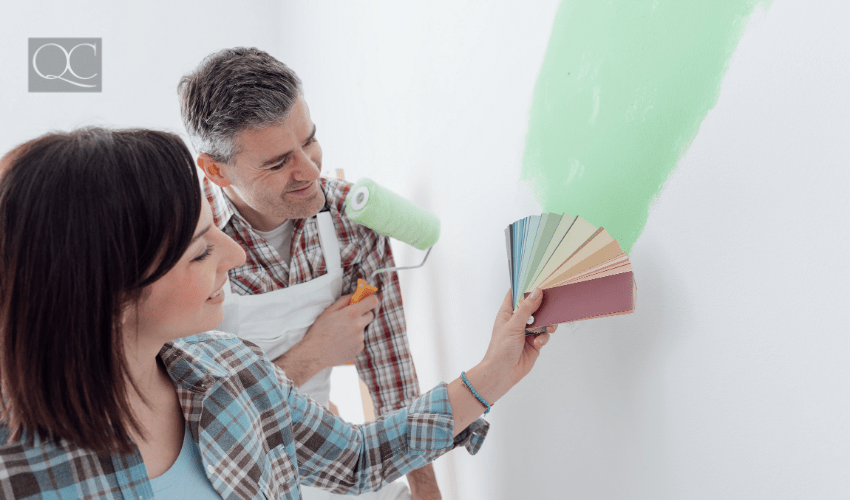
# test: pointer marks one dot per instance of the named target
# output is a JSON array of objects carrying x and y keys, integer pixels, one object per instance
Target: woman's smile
[{"x": 217, "y": 297}]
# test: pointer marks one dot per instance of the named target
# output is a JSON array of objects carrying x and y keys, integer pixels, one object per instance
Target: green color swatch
[{"x": 621, "y": 95}]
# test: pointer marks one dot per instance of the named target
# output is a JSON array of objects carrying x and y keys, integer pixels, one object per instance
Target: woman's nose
[{"x": 234, "y": 255}]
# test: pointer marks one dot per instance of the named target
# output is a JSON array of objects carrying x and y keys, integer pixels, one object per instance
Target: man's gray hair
[{"x": 230, "y": 91}]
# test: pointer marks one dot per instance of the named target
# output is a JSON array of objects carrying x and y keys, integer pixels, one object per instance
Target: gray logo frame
[{"x": 65, "y": 64}]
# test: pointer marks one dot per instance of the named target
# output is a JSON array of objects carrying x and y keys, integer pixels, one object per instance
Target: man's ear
[{"x": 213, "y": 170}]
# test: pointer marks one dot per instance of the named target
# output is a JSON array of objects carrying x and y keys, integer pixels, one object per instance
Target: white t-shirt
[{"x": 280, "y": 238}]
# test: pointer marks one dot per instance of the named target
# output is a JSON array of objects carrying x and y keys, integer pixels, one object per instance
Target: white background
[{"x": 732, "y": 378}]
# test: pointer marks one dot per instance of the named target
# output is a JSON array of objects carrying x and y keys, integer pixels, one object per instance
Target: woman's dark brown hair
[{"x": 88, "y": 219}]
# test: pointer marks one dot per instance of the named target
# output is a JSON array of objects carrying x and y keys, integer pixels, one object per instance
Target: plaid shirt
[
  {"x": 259, "y": 437},
  {"x": 385, "y": 364}
]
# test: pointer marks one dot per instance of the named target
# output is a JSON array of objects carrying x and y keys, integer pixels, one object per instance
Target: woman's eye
[{"x": 204, "y": 255}]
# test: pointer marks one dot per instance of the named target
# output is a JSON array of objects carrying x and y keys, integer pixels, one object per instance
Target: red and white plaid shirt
[{"x": 385, "y": 365}]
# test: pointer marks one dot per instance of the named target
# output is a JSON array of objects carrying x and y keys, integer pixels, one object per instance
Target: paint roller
[{"x": 385, "y": 212}]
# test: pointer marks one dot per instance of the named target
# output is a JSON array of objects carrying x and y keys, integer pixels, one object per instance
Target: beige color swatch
[{"x": 578, "y": 235}]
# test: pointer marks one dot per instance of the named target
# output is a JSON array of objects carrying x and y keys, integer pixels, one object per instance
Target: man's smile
[{"x": 303, "y": 190}]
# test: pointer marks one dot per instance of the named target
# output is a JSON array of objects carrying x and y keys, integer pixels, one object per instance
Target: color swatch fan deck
[{"x": 580, "y": 268}]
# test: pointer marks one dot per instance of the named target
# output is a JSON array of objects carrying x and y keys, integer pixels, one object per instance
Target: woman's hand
[
  {"x": 511, "y": 350},
  {"x": 509, "y": 358}
]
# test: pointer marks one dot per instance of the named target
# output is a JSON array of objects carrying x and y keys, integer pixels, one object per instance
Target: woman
[{"x": 107, "y": 257}]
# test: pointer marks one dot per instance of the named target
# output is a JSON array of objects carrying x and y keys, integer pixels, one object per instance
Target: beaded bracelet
[{"x": 474, "y": 393}]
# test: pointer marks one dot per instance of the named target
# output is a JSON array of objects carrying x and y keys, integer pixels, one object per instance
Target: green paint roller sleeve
[{"x": 380, "y": 209}]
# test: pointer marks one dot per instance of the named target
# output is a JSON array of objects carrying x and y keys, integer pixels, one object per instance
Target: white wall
[
  {"x": 431, "y": 100},
  {"x": 730, "y": 381},
  {"x": 147, "y": 47}
]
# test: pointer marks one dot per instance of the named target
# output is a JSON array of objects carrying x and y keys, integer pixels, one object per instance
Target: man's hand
[
  {"x": 337, "y": 334},
  {"x": 423, "y": 484},
  {"x": 335, "y": 338}
]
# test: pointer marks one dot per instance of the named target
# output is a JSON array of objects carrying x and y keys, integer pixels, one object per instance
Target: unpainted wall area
[{"x": 731, "y": 379}]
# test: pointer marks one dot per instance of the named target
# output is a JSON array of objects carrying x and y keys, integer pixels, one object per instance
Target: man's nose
[{"x": 305, "y": 167}]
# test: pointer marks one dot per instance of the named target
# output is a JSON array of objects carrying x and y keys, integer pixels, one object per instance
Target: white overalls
[{"x": 279, "y": 319}]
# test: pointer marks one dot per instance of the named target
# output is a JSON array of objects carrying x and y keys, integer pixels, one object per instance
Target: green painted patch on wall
[{"x": 621, "y": 95}]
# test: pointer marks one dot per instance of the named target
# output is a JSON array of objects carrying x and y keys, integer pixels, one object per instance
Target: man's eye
[{"x": 279, "y": 166}]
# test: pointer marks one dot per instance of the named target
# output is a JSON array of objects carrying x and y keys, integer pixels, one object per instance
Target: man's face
[{"x": 275, "y": 175}]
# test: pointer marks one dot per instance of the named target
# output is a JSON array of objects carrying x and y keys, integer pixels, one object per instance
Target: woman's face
[{"x": 187, "y": 300}]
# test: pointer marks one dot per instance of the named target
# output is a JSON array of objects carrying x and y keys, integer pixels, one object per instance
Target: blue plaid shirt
[{"x": 259, "y": 437}]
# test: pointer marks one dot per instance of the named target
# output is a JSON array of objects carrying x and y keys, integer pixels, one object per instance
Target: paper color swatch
[{"x": 580, "y": 268}]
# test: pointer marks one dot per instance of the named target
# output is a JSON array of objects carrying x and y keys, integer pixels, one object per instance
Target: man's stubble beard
[{"x": 302, "y": 209}]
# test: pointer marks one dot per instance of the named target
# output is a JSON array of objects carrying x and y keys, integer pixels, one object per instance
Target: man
[{"x": 246, "y": 116}]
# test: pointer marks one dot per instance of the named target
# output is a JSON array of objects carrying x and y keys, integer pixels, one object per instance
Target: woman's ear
[
  {"x": 213, "y": 170},
  {"x": 128, "y": 313}
]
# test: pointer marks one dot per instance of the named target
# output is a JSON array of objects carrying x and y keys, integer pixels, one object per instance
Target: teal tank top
[{"x": 186, "y": 477}]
